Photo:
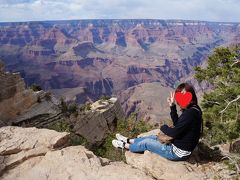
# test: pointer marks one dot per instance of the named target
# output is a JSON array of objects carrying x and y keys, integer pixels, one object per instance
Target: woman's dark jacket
[{"x": 187, "y": 128}]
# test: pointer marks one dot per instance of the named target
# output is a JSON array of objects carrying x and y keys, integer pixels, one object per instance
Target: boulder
[
  {"x": 197, "y": 167},
  {"x": 157, "y": 166},
  {"x": 160, "y": 168},
  {"x": 95, "y": 124}
]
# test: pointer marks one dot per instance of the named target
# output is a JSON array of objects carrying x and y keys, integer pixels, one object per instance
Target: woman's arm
[
  {"x": 182, "y": 125},
  {"x": 173, "y": 114}
]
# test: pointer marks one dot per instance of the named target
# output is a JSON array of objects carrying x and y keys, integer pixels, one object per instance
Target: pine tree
[{"x": 221, "y": 106}]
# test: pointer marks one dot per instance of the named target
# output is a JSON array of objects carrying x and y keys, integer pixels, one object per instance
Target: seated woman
[{"x": 185, "y": 132}]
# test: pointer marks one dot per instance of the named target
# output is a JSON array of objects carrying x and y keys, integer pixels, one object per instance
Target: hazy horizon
[
  {"x": 52, "y": 20},
  {"x": 52, "y": 10}
]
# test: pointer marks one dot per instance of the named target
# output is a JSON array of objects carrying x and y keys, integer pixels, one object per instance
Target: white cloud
[{"x": 25, "y": 10}]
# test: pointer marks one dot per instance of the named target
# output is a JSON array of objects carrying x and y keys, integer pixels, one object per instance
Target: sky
[{"x": 38, "y": 10}]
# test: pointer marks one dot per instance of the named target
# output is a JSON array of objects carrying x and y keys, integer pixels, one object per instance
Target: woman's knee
[
  {"x": 148, "y": 143},
  {"x": 154, "y": 137}
]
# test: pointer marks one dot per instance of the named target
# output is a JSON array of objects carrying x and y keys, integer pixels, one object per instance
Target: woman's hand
[
  {"x": 171, "y": 99},
  {"x": 163, "y": 138}
]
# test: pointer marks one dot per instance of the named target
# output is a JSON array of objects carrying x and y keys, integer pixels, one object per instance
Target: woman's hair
[{"x": 188, "y": 88}]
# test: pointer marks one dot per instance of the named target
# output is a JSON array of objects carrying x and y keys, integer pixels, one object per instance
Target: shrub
[
  {"x": 60, "y": 126},
  {"x": 64, "y": 126},
  {"x": 78, "y": 140},
  {"x": 36, "y": 87},
  {"x": 105, "y": 97},
  {"x": 63, "y": 106},
  {"x": 86, "y": 107},
  {"x": 72, "y": 108}
]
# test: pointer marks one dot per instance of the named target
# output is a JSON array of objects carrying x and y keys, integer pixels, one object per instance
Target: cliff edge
[{"x": 31, "y": 153}]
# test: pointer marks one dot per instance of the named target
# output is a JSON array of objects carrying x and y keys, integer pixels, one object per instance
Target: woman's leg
[
  {"x": 154, "y": 146},
  {"x": 137, "y": 140}
]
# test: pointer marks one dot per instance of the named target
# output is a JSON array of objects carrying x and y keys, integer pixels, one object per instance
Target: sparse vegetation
[
  {"x": 72, "y": 108},
  {"x": 68, "y": 109},
  {"x": 60, "y": 126},
  {"x": 64, "y": 126},
  {"x": 130, "y": 128},
  {"x": 230, "y": 165},
  {"x": 36, "y": 87},
  {"x": 105, "y": 97},
  {"x": 86, "y": 107},
  {"x": 63, "y": 106}
]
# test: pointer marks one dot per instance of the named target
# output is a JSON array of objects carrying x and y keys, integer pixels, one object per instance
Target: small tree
[
  {"x": 72, "y": 108},
  {"x": 86, "y": 107},
  {"x": 105, "y": 97},
  {"x": 36, "y": 87},
  {"x": 63, "y": 106},
  {"x": 221, "y": 106}
]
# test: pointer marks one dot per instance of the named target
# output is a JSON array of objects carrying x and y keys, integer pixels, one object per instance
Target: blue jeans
[{"x": 152, "y": 144}]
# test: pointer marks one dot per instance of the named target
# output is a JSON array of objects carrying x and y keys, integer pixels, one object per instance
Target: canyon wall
[{"x": 85, "y": 59}]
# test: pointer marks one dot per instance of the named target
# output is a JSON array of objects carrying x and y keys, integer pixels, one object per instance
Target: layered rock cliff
[
  {"x": 20, "y": 106},
  {"x": 14, "y": 98},
  {"x": 106, "y": 57}
]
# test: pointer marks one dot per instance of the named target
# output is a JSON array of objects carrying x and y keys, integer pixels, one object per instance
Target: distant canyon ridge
[{"x": 139, "y": 61}]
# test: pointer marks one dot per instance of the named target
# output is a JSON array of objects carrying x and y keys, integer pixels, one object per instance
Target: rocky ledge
[{"x": 31, "y": 153}]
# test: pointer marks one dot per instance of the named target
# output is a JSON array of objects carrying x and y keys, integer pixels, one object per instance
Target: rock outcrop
[
  {"x": 95, "y": 124},
  {"x": 161, "y": 168},
  {"x": 45, "y": 111},
  {"x": 14, "y": 98},
  {"x": 41, "y": 154},
  {"x": 30, "y": 153},
  {"x": 22, "y": 106}
]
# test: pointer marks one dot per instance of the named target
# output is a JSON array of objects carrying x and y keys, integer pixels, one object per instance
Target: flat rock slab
[
  {"x": 160, "y": 168},
  {"x": 73, "y": 163},
  {"x": 19, "y": 144},
  {"x": 39, "y": 154}
]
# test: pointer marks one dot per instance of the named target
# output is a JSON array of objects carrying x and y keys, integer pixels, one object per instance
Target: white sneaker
[
  {"x": 118, "y": 144},
  {"x": 121, "y": 138}
]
